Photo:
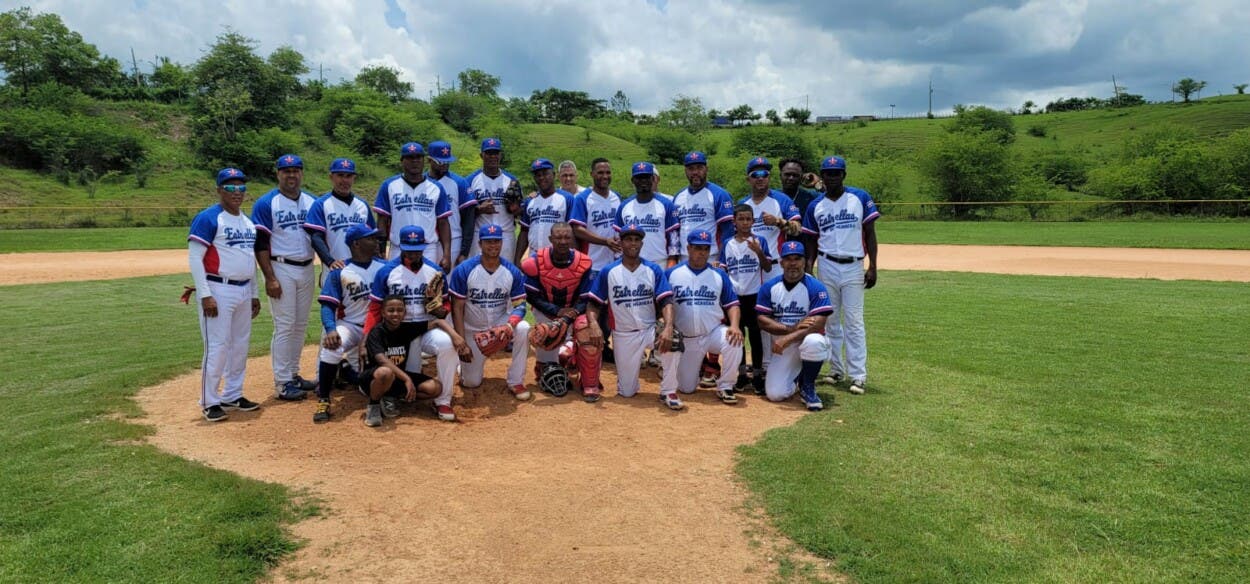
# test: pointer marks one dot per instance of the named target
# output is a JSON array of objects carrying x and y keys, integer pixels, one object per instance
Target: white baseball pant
[
  {"x": 436, "y": 342},
  {"x": 681, "y": 370},
  {"x": 628, "y": 348},
  {"x": 351, "y": 336},
  {"x": 290, "y": 318},
  {"x": 471, "y": 373},
  {"x": 845, "y": 327},
  {"x": 225, "y": 339},
  {"x": 765, "y": 338},
  {"x": 782, "y": 379}
]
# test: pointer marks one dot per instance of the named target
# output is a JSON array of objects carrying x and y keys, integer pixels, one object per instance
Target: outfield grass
[
  {"x": 1160, "y": 234},
  {"x": 84, "y": 500},
  {"x": 1029, "y": 429},
  {"x": 102, "y": 239}
]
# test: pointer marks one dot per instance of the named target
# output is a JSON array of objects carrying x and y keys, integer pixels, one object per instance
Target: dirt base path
[
  {"x": 1115, "y": 262},
  {"x": 552, "y": 490}
]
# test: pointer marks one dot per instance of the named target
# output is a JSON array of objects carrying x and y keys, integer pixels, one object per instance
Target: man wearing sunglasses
[{"x": 776, "y": 220}]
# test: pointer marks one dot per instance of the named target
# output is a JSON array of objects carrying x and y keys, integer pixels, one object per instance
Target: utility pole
[
  {"x": 134, "y": 66},
  {"x": 438, "y": 84},
  {"x": 891, "y": 111},
  {"x": 930, "y": 95}
]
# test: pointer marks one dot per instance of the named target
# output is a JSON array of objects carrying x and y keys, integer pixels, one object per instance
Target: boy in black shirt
[{"x": 384, "y": 375}]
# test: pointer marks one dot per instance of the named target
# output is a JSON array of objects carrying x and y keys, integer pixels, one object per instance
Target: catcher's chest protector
[{"x": 559, "y": 284}]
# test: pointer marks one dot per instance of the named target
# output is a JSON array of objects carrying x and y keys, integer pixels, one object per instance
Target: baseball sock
[
  {"x": 807, "y": 375},
  {"x": 326, "y": 372}
]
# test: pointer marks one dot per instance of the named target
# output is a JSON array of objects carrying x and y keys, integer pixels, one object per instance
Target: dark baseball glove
[
  {"x": 434, "y": 297},
  {"x": 492, "y": 340},
  {"x": 677, "y": 345},
  {"x": 555, "y": 380},
  {"x": 547, "y": 336},
  {"x": 513, "y": 197}
]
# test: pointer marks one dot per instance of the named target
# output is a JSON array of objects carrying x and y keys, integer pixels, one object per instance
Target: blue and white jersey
[
  {"x": 347, "y": 289},
  {"x": 596, "y": 213},
  {"x": 631, "y": 296},
  {"x": 742, "y": 265},
  {"x": 777, "y": 204},
  {"x": 540, "y": 213},
  {"x": 395, "y": 278},
  {"x": 458, "y": 198},
  {"x": 704, "y": 209},
  {"x": 422, "y": 204},
  {"x": 839, "y": 224},
  {"x": 657, "y": 218},
  {"x": 283, "y": 219},
  {"x": 484, "y": 188},
  {"x": 489, "y": 296},
  {"x": 788, "y": 306},
  {"x": 333, "y": 217},
  {"x": 231, "y": 241},
  {"x": 700, "y": 298}
]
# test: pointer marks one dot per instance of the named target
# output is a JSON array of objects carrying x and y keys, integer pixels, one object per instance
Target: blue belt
[{"x": 221, "y": 280}]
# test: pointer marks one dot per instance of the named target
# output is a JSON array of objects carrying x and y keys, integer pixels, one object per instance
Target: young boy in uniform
[{"x": 746, "y": 259}]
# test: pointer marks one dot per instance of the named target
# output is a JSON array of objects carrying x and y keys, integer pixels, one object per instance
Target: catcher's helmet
[{"x": 555, "y": 380}]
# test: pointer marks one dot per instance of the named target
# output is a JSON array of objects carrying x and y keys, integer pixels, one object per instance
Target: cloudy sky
[{"x": 840, "y": 57}]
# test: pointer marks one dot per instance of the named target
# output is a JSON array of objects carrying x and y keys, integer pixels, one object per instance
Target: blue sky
[{"x": 842, "y": 58}]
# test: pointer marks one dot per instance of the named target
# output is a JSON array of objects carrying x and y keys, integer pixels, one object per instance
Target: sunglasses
[
  {"x": 759, "y": 174},
  {"x": 234, "y": 188}
]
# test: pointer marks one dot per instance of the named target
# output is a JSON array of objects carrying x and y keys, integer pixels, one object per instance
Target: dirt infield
[{"x": 1163, "y": 264}]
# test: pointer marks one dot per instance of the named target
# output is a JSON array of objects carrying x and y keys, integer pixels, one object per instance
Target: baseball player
[
  {"x": 655, "y": 215},
  {"x": 632, "y": 290},
  {"x": 538, "y": 214},
  {"x": 385, "y": 377},
  {"x": 458, "y": 198},
  {"x": 776, "y": 218},
  {"x": 334, "y": 213},
  {"x": 792, "y": 171},
  {"x": 488, "y": 187},
  {"x": 594, "y": 211},
  {"x": 745, "y": 258},
  {"x": 409, "y": 199},
  {"x": 285, "y": 255},
  {"x": 488, "y": 294},
  {"x": 568, "y": 177},
  {"x": 843, "y": 224},
  {"x": 704, "y": 299},
  {"x": 793, "y": 308},
  {"x": 344, "y": 306},
  {"x": 411, "y": 275},
  {"x": 220, "y": 249},
  {"x": 703, "y": 205},
  {"x": 556, "y": 281}
]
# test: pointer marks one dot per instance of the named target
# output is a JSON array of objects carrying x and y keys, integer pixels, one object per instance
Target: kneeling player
[
  {"x": 384, "y": 376},
  {"x": 793, "y": 308},
  {"x": 344, "y": 305}
]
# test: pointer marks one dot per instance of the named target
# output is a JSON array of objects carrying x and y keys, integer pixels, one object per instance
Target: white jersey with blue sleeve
[
  {"x": 789, "y": 305},
  {"x": 742, "y": 265},
  {"x": 458, "y": 198},
  {"x": 658, "y": 220},
  {"x": 333, "y": 217},
  {"x": 777, "y": 204},
  {"x": 347, "y": 289},
  {"x": 631, "y": 296},
  {"x": 596, "y": 213},
  {"x": 231, "y": 241},
  {"x": 395, "y": 278},
  {"x": 484, "y": 188},
  {"x": 422, "y": 204},
  {"x": 283, "y": 219},
  {"x": 700, "y": 298},
  {"x": 490, "y": 297},
  {"x": 839, "y": 224},
  {"x": 541, "y": 212},
  {"x": 705, "y": 209}
]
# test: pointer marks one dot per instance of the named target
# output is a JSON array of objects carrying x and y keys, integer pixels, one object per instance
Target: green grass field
[{"x": 1029, "y": 429}]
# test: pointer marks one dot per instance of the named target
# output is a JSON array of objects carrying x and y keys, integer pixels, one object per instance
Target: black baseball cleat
[
  {"x": 242, "y": 404},
  {"x": 214, "y": 414}
]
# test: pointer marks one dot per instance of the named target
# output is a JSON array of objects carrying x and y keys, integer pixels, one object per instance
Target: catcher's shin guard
[{"x": 589, "y": 358}]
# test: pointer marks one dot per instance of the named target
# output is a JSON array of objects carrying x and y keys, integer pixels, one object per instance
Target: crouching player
[
  {"x": 384, "y": 379},
  {"x": 793, "y": 308},
  {"x": 344, "y": 305}
]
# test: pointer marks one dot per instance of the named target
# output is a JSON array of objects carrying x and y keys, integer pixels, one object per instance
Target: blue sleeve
[
  {"x": 598, "y": 292},
  {"x": 727, "y": 295},
  {"x": 458, "y": 283},
  {"x": 817, "y": 297},
  {"x": 262, "y": 214},
  {"x": 619, "y": 221},
  {"x": 724, "y": 207},
  {"x": 328, "y": 321},
  {"x": 662, "y": 289},
  {"x": 768, "y": 253},
  {"x": 568, "y": 205},
  {"x": 789, "y": 211},
  {"x": 316, "y": 218},
  {"x": 382, "y": 202},
  {"x": 467, "y": 198},
  {"x": 870, "y": 207},
  {"x": 764, "y": 301},
  {"x": 809, "y": 219},
  {"x": 672, "y": 220},
  {"x": 725, "y": 232},
  {"x": 518, "y": 292},
  {"x": 577, "y": 216},
  {"x": 442, "y": 207},
  {"x": 369, "y": 218},
  {"x": 377, "y": 291},
  {"x": 204, "y": 228},
  {"x": 330, "y": 299},
  {"x": 524, "y": 217}
]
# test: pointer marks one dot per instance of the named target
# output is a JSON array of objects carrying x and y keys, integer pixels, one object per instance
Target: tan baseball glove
[
  {"x": 547, "y": 336},
  {"x": 434, "y": 305},
  {"x": 493, "y": 340}
]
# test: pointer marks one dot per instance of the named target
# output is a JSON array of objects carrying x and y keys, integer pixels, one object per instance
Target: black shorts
[{"x": 397, "y": 387}]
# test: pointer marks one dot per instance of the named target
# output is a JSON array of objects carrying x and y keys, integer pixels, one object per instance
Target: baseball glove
[
  {"x": 548, "y": 335},
  {"x": 492, "y": 340},
  {"x": 812, "y": 180},
  {"x": 791, "y": 228},
  {"x": 513, "y": 197},
  {"x": 434, "y": 297},
  {"x": 678, "y": 345},
  {"x": 554, "y": 380}
]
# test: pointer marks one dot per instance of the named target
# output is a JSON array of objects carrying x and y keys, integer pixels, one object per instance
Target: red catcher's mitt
[
  {"x": 548, "y": 335},
  {"x": 492, "y": 340}
]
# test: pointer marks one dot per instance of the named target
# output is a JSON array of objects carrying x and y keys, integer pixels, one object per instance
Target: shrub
[
  {"x": 1037, "y": 131},
  {"x": 66, "y": 143},
  {"x": 969, "y": 167},
  {"x": 773, "y": 142},
  {"x": 668, "y": 146},
  {"x": 1063, "y": 169},
  {"x": 981, "y": 119},
  {"x": 881, "y": 180}
]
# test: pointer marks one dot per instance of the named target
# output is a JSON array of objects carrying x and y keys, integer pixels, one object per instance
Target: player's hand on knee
[
  {"x": 255, "y": 307},
  {"x": 273, "y": 289},
  {"x": 412, "y": 390},
  {"x": 734, "y": 337},
  {"x": 209, "y": 304},
  {"x": 332, "y": 340}
]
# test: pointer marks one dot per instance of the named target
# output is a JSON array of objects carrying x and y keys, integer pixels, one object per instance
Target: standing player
[
  {"x": 487, "y": 186},
  {"x": 488, "y": 294},
  {"x": 344, "y": 306},
  {"x": 285, "y": 255},
  {"x": 568, "y": 177},
  {"x": 792, "y": 171},
  {"x": 746, "y": 259},
  {"x": 656, "y": 216},
  {"x": 776, "y": 218},
  {"x": 539, "y": 213},
  {"x": 632, "y": 290},
  {"x": 842, "y": 222},
  {"x": 409, "y": 199},
  {"x": 334, "y": 213},
  {"x": 223, "y": 264},
  {"x": 703, "y": 206},
  {"x": 793, "y": 308},
  {"x": 410, "y": 275},
  {"x": 594, "y": 211},
  {"x": 458, "y": 198},
  {"x": 386, "y": 379}
]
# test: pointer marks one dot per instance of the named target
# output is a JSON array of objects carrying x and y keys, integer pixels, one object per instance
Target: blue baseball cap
[
  {"x": 695, "y": 157},
  {"x": 289, "y": 161},
  {"x": 643, "y": 168},
  {"x": 230, "y": 173},
  {"x": 699, "y": 237},
  {"x": 492, "y": 145},
  {"x": 541, "y": 164},
  {"x": 412, "y": 238},
  {"x": 790, "y": 248},
  {"x": 411, "y": 149},
  {"x": 833, "y": 163},
  {"x": 488, "y": 232},
  {"x": 359, "y": 231},
  {"x": 342, "y": 166},
  {"x": 440, "y": 152},
  {"x": 759, "y": 162},
  {"x": 632, "y": 228}
]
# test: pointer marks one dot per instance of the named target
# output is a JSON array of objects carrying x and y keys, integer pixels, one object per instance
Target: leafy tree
[
  {"x": 1073, "y": 104},
  {"x": 232, "y": 63},
  {"x": 458, "y": 109},
  {"x": 772, "y": 142},
  {"x": 1126, "y": 100},
  {"x": 882, "y": 180},
  {"x": 798, "y": 115},
  {"x": 1027, "y": 108},
  {"x": 714, "y": 113},
  {"x": 686, "y": 113},
  {"x": 561, "y": 106},
  {"x": 1187, "y": 87},
  {"x": 288, "y": 64},
  {"x": 968, "y": 167},
  {"x": 981, "y": 119},
  {"x": 668, "y": 146},
  {"x": 1241, "y": 88},
  {"x": 519, "y": 111},
  {"x": 742, "y": 113},
  {"x": 478, "y": 83},
  {"x": 1066, "y": 169},
  {"x": 619, "y": 103},
  {"x": 38, "y": 48},
  {"x": 171, "y": 82},
  {"x": 384, "y": 80},
  {"x": 773, "y": 118}
]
